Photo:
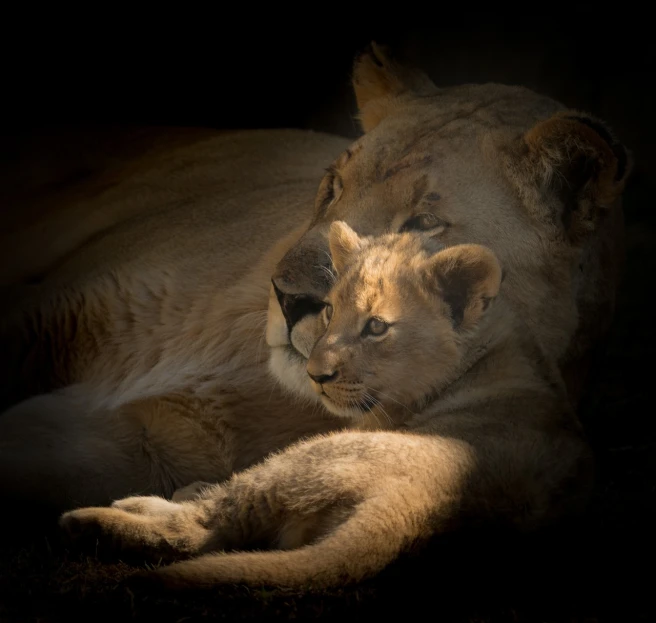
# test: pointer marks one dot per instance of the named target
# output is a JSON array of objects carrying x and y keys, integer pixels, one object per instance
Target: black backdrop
[{"x": 230, "y": 65}]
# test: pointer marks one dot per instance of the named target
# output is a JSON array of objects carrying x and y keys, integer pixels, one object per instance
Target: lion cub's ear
[
  {"x": 382, "y": 85},
  {"x": 468, "y": 277},
  {"x": 343, "y": 243},
  {"x": 569, "y": 170}
]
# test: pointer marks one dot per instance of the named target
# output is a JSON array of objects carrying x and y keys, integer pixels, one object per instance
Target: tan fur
[
  {"x": 135, "y": 351},
  {"x": 430, "y": 303},
  {"x": 347, "y": 504}
]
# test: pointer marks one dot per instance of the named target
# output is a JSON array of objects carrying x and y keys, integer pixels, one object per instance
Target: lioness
[
  {"x": 410, "y": 321},
  {"x": 136, "y": 342}
]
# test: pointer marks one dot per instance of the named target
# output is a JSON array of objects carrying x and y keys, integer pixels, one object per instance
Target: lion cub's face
[{"x": 396, "y": 320}]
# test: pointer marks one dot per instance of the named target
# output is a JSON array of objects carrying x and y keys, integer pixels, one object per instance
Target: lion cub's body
[{"x": 340, "y": 507}]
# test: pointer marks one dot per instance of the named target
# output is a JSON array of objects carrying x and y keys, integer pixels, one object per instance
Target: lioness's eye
[
  {"x": 375, "y": 327},
  {"x": 422, "y": 222},
  {"x": 329, "y": 190}
]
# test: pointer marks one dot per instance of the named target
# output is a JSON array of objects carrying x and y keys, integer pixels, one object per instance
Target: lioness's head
[
  {"x": 397, "y": 320},
  {"x": 488, "y": 164}
]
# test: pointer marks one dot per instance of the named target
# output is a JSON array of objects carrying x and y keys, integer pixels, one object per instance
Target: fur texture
[
  {"x": 339, "y": 508},
  {"x": 135, "y": 343}
]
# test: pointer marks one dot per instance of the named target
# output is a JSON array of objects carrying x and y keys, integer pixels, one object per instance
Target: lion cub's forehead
[{"x": 382, "y": 270}]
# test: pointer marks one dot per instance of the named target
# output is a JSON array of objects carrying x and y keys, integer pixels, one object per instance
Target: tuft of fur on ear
[
  {"x": 570, "y": 170},
  {"x": 468, "y": 278},
  {"x": 382, "y": 85},
  {"x": 343, "y": 243}
]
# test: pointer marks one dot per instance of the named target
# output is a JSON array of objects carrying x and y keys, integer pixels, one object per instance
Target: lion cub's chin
[
  {"x": 363, "y": 419},
  {"x": 351, "y": 413}
]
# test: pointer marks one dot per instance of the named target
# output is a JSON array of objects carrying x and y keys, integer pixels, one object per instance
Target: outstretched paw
[
  {"x": 137, "y": 528},
  {"x": 97, "y": 530}
]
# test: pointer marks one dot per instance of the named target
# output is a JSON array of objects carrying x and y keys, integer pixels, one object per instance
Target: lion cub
[{"x": 397, "y": 321}]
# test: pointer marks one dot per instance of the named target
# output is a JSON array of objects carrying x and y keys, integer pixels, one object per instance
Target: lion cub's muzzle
[{"x": 345, "y": 395}]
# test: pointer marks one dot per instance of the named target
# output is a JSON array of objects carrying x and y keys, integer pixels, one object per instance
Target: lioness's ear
[
  {"x": 570, "y": 170},
  {"x": 343, "y": 243},
  {"x": 468, "y": 277},
  {"x": 382, "y": 85}
]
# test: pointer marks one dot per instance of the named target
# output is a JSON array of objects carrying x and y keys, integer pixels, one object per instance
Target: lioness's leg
[
  {"x": 53, "y": 337},
  {"x": 121, "y": 334},
  {"x": 21, "y": 375},
  {"x": 340, "y": 508},
  {"x": 337, "y": 507},
  {"x": 58, "y": 451}
]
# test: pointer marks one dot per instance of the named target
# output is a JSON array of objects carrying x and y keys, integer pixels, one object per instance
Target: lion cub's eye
[
  {"x": 422, "y": 222},
  {"x": 328, "y": 312},
  {"x": 375, "y": 327}
]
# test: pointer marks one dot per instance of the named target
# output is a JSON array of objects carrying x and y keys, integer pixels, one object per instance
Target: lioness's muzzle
[{"x": 296, "y": 306}]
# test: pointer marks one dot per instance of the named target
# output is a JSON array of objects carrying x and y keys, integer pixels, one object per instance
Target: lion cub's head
[{"x": 397, "y": 320}]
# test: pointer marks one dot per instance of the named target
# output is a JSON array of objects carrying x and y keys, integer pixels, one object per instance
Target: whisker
[
  {"x": 370, "y": 389},
  {"x": 379, "y": 405},
  {"x": 354, "y": 404},
  {"x": 330, "y": 259},
  {"x": 387, "y": 415},
  {"x": 331, "y": 275}
]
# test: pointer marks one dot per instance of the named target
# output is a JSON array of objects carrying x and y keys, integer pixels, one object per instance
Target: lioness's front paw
[
  {"x": 191, "y": 492},
  {"x": 150, "y": 505},
  {"x": 95, "y": 529},
  {"x": 136, "y": 528},
  {"x": 109, "y": 532},
  {"x": 78, "y": 523}
]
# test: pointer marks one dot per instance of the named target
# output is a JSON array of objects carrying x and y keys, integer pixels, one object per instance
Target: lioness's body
[
  {"x": 185, "y": 322},
  {"x": 155, "y": 327}
]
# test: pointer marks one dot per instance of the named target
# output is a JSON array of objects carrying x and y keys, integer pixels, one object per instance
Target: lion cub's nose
[{"x": 322, "y": 379}]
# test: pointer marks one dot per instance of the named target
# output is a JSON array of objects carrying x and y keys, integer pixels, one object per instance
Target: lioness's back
[{"x": 166, "y": 199}]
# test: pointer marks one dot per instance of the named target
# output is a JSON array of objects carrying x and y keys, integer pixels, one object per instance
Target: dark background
[
  {"x": 231, "y": 66},
  {"x": 67, "y": 74}
]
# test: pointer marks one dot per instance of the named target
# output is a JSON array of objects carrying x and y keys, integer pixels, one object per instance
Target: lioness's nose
[
  {"x": 296, "y": 306},
  {"x": 322, "y": 379}
]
